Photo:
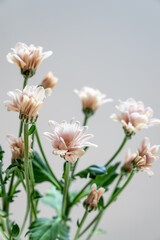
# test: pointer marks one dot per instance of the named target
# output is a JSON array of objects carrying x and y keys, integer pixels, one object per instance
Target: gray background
[{"x": 110, "y": 45}]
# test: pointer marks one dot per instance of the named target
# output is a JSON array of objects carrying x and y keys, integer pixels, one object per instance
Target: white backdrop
[{"x": 110, "y": 45}]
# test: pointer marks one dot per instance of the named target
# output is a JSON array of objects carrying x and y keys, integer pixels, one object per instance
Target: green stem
[
  {"x": 25, "y": 82},
  {"x": 80, "y": 225},
  {"x": 15, "y": 186},
  {"x": 95, "y": 226},
  {"x": 112, "y": 198},
  {"x": 118, "y": 151},
  {"x": 80, "y": 193},
  {"x": 3, "y": 234},
  {"x": 21, "y": 178},
  {"x": 11, "y": 184},
  {"x": 32, "y": 190},
  {"x": 26, "y": 174},
  {"x": 75, "y": 164},
  {"x": 65, "y": 190},
  {"x": 85, "y": 120},
  {"x": 58, "y": 185},
  {"x": 21, "y": 123},
  {"x": 115, "y": 194}
]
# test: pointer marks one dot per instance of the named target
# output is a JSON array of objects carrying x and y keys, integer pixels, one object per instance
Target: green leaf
[
  {"x": 15, "y": 230},
  {"x": 31, "y": 130},
  {"x": 48, "y": 229},
  {"x": 75, "y": 193},
  {"x": 92, "y": 171},
  {"x": 1, "y": 153},
  {"x": 3, "y": 213},
  {"x": 106, "y": 179},
  {"x": 53, "y": 198},
  {"x": 41, "y": 172},
  {"x": 101, "y": 203},
  {"x": 99, "y": 231}
]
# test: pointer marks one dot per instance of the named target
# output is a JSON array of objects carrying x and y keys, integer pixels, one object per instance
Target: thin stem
[
  {"x": 4, "y": 202},
  {"x": 15, "y": 186},
  {"x": 118, "y": 151},
  {"x": 21, "y": 178},
  {"x": 25, "y": 82},
  {"x": 115, "y": 194},
  {"x": 58, "y": 185},
  {"x": 95, "y": 226},
  {"x": 85, "y": 120},
  {"x": 32, "y": 190},
  {"x": 65, "y": 190},
  {"x": 112, "y": 198},
  {"x": 80, "y": 193},
  {"x": 21, "y": 123},
  {"x": 80, "y": 225},
  {"x": 11, "y": 184},
  {"x": 90, "y": 224},
  {"x": 76, "y": 163},
  {"x": 3, "y": 234},
  {"x": 26, "y": 174}
]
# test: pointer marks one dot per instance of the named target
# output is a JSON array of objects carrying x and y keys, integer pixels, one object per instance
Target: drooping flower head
[
  {"x": 68, "y": 139},
  {"x": 134, "y": 116},
  {"x": 27, "y": 58},
  {"x": 93, "y": 198},
  {"x": 17, "y": 146},
  {"x": 49, "y": 82},
  {"x": 27, "y": 102},
  {"x": 91, "y": 98},
  {"x": 144, "y": 157}
]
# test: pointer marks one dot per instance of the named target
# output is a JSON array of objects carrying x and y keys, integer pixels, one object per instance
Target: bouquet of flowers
[{"x": 70, "y": 142}]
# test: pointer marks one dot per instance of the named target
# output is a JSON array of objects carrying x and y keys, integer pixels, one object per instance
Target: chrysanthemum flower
[
  {"x": 17, "y": 146},
  {"x": 93, "y": 198},
  {"x": 27, "y": 102},
  {"x": 134, "y": 116},
  {"x": 144, "y": 157},
  {"x": 68, "y": 139},
  {"x": 27, "y": 58},
  {"x": 49, "y": 82},
  {"x": 91, "y": 98}
]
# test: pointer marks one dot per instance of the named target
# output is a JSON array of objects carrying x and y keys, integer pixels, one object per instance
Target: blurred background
[{"x": 110, "y": 45}]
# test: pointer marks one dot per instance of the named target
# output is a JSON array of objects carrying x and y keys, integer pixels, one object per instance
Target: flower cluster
[
  {"x": 69, "y": 141},
  {"x": 144, "y": 157}
]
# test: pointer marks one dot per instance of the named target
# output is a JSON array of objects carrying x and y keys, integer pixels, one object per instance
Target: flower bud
[
  {"x": 92, "y": 200},
  {"x": 91, "y": 99},
  {"x": 17, "y": 147}
]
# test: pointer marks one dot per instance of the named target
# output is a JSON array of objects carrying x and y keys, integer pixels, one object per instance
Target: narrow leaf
[{"x": 31, "y": 130}]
